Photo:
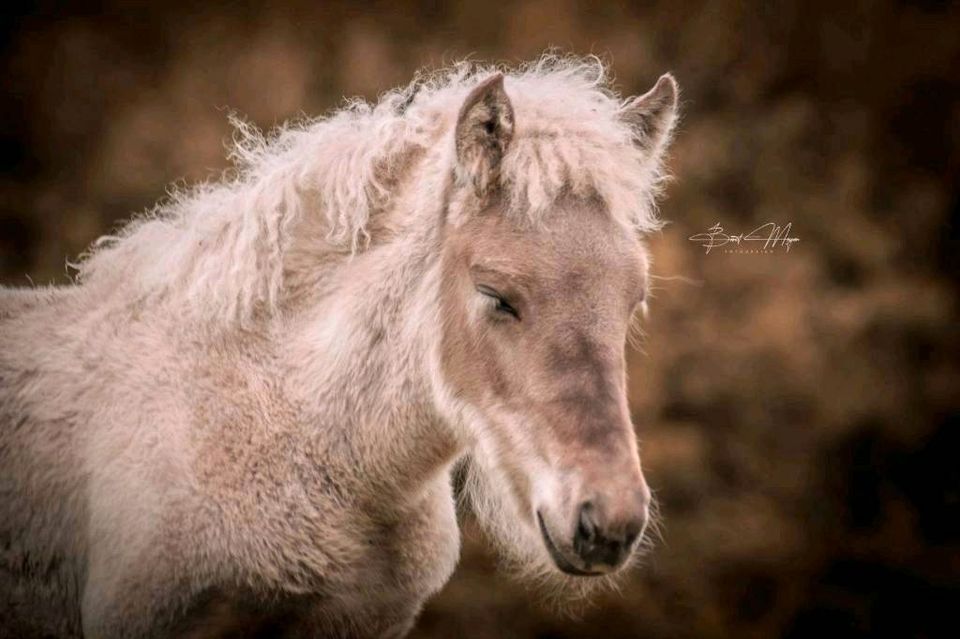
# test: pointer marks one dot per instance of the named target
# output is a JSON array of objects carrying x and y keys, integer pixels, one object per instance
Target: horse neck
[{"x": 359, "y": 356}]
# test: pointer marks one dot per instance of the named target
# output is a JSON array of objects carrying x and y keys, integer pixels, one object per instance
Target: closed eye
[{"x": 500, "y": 304}]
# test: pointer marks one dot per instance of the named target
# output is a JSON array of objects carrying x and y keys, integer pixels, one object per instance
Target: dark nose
[{"x": 601, "y": 541}]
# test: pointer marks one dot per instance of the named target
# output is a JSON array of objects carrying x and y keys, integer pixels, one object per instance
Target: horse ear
[
  {"x": 653, "y": 116},
  {"x": 484, "y": 129}
]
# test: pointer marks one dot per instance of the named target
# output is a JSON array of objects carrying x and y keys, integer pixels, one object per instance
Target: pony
[{"x": 243, "y": 416}]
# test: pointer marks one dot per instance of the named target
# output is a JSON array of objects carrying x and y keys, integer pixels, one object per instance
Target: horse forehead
[
  {"x": 588, "y": 247},
  {"x": 576, "y": 235}
]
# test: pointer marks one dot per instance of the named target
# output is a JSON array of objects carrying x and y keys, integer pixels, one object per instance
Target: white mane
[{"x": 217, "y": 251}]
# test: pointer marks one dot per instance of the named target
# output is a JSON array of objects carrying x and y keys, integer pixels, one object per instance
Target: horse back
[{"x": 17, "y": 301}]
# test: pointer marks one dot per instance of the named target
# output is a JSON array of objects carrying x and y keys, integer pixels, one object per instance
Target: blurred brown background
[{"x": 798, "y": 412}]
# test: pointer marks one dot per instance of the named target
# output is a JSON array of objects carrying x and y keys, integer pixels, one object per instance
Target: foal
[{"x": 242, "y": 419}]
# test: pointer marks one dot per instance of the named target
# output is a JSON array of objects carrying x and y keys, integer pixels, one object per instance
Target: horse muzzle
[{"x": 600, "y": 544}]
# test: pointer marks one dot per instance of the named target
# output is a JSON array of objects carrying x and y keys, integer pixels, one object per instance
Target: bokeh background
[{"x": 797, "y": 411}]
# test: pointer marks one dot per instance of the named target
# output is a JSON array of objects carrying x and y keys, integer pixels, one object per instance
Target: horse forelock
[{"x": 217, "y": 251}]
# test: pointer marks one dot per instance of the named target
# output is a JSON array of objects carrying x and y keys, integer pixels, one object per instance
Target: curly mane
[{"x": 216, "y": 251}]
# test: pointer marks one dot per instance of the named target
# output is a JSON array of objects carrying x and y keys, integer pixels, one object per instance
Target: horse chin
[{"x": 569, "y": 593}]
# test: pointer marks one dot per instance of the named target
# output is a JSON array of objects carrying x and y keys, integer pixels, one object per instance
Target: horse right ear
[
  {"x": 484, "y": 129},
  {"x": 653, "y": 116}
]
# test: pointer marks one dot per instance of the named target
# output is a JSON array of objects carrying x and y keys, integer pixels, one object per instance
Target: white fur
[{"x": 241, "y": 399}]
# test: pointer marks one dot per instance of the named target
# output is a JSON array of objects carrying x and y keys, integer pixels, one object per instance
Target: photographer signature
[{"x": 771, "y": 235}]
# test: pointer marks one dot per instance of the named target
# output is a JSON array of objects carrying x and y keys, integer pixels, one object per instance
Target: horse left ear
[
  {"x": 653, "y": 116},
  {"x": 484, "y": 129}
]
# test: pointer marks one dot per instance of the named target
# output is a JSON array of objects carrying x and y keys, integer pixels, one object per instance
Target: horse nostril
[
  {"x": 632, "y": 532},
  {"x": 603, "y": 543},
  {"x": 586, "y": 525}
]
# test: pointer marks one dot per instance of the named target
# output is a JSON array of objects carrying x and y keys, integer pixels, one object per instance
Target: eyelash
[{"x": 502, "y": 305}]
